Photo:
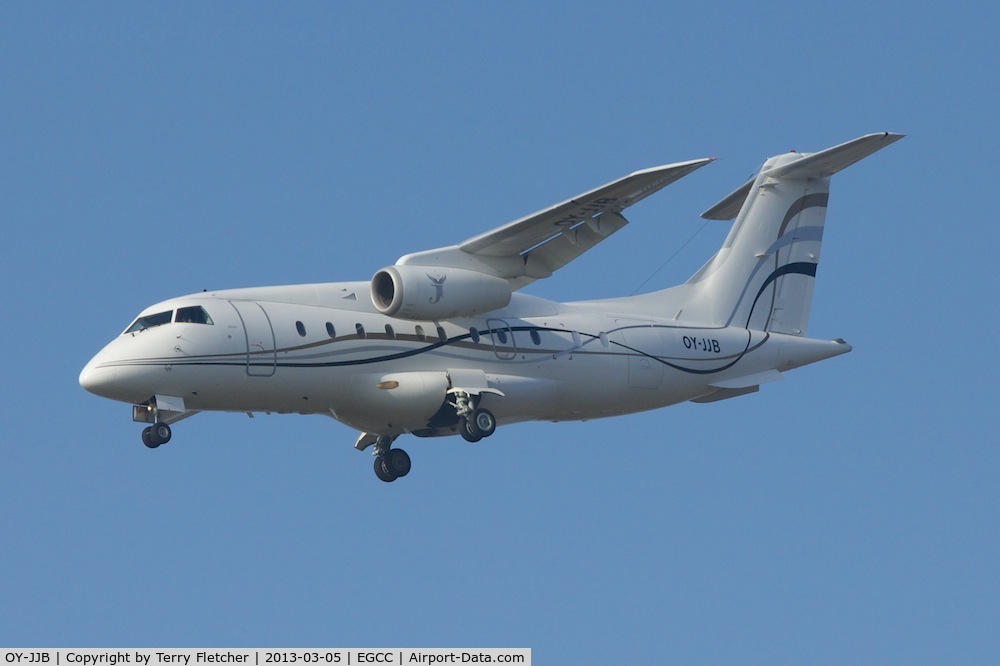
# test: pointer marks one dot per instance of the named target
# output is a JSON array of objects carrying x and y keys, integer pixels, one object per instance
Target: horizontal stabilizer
[
  {"x": 737, "y": 386},
  {"x": 726, "y": 394},
  {"x": 729, "y": 207},
  {"x": 827, "y": 162},
  {"x": 815, "y": 165},
  {"x": 746, "y": 381}
]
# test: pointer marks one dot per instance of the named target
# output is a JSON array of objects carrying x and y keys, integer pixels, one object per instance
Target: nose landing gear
[
  {"x": 160, "y": 412},
  {"x": 156, "y": 434}
]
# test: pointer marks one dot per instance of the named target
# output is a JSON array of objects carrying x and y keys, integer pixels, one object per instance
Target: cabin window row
[
  {"x": 359, "y": 329},
  {"x": 474, "y": 333},
  {"x": 501, "y": 335}
]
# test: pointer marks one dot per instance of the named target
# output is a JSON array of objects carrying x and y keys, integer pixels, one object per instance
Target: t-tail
[{"x": 762, "y": 277}]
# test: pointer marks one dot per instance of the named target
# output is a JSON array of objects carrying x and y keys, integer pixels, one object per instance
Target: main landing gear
[
  {"x": 473, "y": 424},
  {"x": 481, "y": 423},
  {"x": 156, "y": 434},
  {"x": 390, "y": 464}
]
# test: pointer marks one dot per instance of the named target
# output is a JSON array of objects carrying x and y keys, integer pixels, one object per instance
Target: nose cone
[{"x": 99, "y": 380}]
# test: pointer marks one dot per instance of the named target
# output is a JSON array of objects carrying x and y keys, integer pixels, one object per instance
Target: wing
[{"x": 533, "y": 247}]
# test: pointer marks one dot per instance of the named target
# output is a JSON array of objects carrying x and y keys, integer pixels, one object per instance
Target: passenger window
[
  {"x": 301, "y": 328},
  {"x": 193, "y": 315},
  {"x": 474, "y": 333},
  {"x": 420, "y": 333},
  {"x": 535, "y": 337},
  {"x": 360, "y": 329},
  {"x": 330, "y": 330},
  {"x": 149, "y": 321},
  {"x": 391, "y": 334},
  {"x": 502, "y": 337}
]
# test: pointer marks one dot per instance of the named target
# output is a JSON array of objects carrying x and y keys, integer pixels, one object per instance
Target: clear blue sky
[{"x": 846, "y": 515}]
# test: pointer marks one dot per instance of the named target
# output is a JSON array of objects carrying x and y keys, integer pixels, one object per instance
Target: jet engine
[{"x": 429, "y": 293}]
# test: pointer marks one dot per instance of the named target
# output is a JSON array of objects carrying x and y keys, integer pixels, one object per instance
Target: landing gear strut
[
  {"x": 158, "y": 432},
  {"x": 473, "y": 424},
  {"x": 390, "y": 464}
]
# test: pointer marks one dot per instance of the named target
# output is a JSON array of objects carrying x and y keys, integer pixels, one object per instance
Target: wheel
[
  {"x": 147, "y": 438},
  {"x": 397, "y": 461},
  {"x": 382, "y": 470},
  {"x": 484, "y": 421},
  {"x": 160, "y": 433},
  {"x": 468, "y": 431}
]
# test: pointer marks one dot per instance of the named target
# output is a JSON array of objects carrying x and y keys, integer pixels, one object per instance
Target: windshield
[
  {"x": 194, "y": 314},
  {"x": 149, "y": 321}
]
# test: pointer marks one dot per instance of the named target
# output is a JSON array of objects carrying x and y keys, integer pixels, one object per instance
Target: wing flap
[{"x": 542, "y": 260}]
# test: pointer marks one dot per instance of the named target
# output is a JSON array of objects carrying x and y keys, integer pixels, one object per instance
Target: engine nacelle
[{"x": 429, "y": 293}]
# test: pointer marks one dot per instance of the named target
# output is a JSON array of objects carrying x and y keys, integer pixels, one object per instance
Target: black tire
[
  {"x": 468, "y": 431},
  {"x": 160, "y": 433},
  {"x": 147, "y": 438},
  {"x": 484, "y": 421},
  {"x": 397, "y": 461},
  {"x": 382, "y": 470}
]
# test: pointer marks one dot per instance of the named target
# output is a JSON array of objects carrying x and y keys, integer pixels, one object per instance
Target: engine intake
[{"x": 428, "y": 293}]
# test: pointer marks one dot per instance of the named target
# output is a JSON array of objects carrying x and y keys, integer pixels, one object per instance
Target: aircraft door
[
  {"x": 262, "y": 355},
  {"x": 502, "y": 338}
]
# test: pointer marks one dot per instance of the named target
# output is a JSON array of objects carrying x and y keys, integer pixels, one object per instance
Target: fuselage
[
  {"x": 324, "y": 349},
  {"x": 444, "y": 343}
]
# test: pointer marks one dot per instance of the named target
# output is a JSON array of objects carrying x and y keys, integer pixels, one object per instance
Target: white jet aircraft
[{"x": 442, "y": 343}]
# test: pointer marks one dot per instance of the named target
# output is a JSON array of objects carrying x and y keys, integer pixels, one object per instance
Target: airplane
[{"x": 444, "y": 343}]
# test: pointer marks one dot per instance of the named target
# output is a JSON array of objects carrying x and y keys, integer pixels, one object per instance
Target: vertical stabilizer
[{"x": 763, "y": 276}]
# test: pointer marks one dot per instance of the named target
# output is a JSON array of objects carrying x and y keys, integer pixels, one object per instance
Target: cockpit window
[
  {"x": 193, "y": 315},
  {"x": 149, "y": 321}
]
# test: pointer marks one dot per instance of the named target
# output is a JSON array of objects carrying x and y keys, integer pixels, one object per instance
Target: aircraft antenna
[{"x": 670, "y": 258}]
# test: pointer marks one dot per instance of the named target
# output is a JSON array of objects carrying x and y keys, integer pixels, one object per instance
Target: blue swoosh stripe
[{"x": 797, "y": 268}]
